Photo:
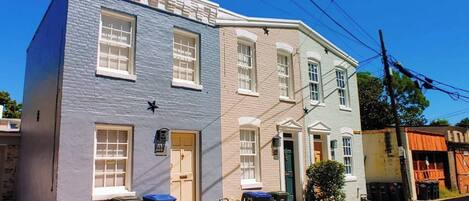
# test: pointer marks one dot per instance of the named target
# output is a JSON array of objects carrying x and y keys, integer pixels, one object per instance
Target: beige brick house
[
  {"x": 261, "y": 98},
  {"x": 267, "y": 137}
]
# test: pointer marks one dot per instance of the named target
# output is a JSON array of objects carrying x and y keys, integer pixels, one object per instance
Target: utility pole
[{"x": 392, "y": 96}]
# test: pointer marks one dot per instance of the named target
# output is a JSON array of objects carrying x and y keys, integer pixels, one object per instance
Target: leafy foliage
[
  {"x": 464, "y": 123},
  {"x": 410, "y": 101},
  {"x": 375, "y": 109},
  {"x": 326, "y": 181},
  {"x": 12, "y": 109},
  {"x": 439, "y": 122}
]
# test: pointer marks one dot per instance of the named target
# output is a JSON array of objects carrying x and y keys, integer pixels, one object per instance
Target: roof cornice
[{"x": 228, "y": 18}]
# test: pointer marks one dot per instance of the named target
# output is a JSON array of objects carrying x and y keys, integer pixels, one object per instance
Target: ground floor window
[
  {"x": 249, "y": 152},
  {"x": 112, "y": 158},
  {"x": 347, "y": 146}
]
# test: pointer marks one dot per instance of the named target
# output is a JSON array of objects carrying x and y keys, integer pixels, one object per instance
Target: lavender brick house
[{"x": 92, "y": 68}]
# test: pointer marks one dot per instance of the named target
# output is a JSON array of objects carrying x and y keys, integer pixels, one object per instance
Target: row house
[
  {"x": 134, "y": 97},
  {"x": 288, "y": 99},
  {"x": 95, "y": 71}
]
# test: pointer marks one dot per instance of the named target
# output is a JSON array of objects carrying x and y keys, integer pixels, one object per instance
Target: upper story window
[
  {"x": 186, "y": 57},
  {"x": 116, "y": 43},
  {"x": 347, "y": 146},
  {"x": 341, "y": 78},
  {"x": 249, "y": 152},
  {"x": 246, "y": 66},
  {"x": 112, "y": 173},
  {"x": 284, "y": 74},
  {"x": 314, "y": 82}
]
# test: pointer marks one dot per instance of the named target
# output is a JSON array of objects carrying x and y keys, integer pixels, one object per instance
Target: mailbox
[
  {"x": 161, "y": 138},
  {"x": 276, "y": 143}
]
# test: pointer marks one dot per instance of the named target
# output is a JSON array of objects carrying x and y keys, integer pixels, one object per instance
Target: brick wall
[
  {"x": 267, "y": 107},
  {"x": 8, "y": 172}
]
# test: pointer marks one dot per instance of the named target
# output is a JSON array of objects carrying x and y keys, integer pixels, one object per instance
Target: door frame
[
  {"x": 291, "y": 126},
  {"x": 197, "y": 158}
]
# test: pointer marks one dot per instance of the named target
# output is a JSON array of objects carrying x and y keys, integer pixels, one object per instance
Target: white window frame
[
  {"x": 102, "y": 193},
  {"x": 196, "y": 83},
  {"x": 342, "y": 85},
  {"x": 253, "y": 182},
  {"x": 348, "y": 153},
  {"x": 130, "y": 74},
  {"x": 317, "y": 82},
  {"x": 253, "y": 80},
  {"x": 289, "y": 76}
]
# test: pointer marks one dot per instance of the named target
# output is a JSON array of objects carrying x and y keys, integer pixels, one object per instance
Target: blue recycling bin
[
  {"x": 256, "y": 196},
  {"x": 159, "y": 197}
]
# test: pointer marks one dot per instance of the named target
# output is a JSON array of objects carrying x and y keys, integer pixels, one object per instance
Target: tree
[
  {"x": 374, "y": 106},
  {"x": 410, "y": 101},
  {"x": 326, "y": 181},
  {"x": 439, "y": 122},
  {"x": 464, "y": 123},
  {"x": 374, "y": 109},
  {"x": 11, "y": 108}
]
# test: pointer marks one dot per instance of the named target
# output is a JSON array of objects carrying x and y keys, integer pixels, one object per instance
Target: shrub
[{"x": 326, "y": 180}]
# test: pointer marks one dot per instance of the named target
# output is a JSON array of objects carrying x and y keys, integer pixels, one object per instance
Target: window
[
  {"x": 347, "y": 146},
  {"x": 246, "y": 69},
  {"x": 112, "y": 159},
  {"x": 185, "y": 57},
  {"x": 341, "y": 86},
  {"x": 313, "y": 71},
  {"x": 116, "y": 43},
  {"x": 284, "y": 75},
  {"x": 249, "y": 151}
]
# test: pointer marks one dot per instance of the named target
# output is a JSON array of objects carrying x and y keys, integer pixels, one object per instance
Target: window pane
[
  {"x": 184, "y": 57},
  {"x": 115, "y": 44},
  {"x": 99, "y": 181},
  {"x": 248, "y": 151},
  {"x": 112, "y": 143},
  {"x": 283, "y": 68},
  {"x": 245, "y": 67}
]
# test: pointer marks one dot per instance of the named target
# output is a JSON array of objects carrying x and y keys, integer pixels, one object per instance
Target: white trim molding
[
  {"x": 246, "y": 35},
  {"x": 284, "y": 47},
  {"x": 249, "y": 122},
  {"x": 346, "y": 130},
  {"x": 313, "y": 55},
  {"x": 341, "y": 64},
  {"x": 289, "y": 125},
  {"x": 319, "y": 127}
]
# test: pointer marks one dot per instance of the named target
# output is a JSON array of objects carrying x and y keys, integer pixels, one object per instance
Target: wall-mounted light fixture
[
  {"x": 161, "y": 138},
  {"x": 276, "y": 144}
]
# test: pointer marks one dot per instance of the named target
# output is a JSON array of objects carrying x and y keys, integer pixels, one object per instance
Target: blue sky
[{"x": 427, "y": 36}]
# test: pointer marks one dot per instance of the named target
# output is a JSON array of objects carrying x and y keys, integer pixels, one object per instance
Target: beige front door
[
  {"x": 183, "y": 166},
  {"x": 318, "y": 152}
]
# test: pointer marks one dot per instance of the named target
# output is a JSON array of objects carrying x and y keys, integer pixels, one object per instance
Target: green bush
[
  {"x": 446, "y": 193},
  {"x": 326, "y": 181}
]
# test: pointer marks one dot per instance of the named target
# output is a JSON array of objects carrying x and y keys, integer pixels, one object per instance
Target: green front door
[{"x": 289, "y": 169}]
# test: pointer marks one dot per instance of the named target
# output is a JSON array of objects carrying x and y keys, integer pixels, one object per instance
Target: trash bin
[
  {"x": 126, "y": 198},
  {"x": 256, "y": 196},
  {"x": 396, "y": 192},
  {"x": 279, "y": 195},
  {"x": 373, "y": 192},
  {"x": 435, "y": 190},
  {"x": 384, "y": 192},
  {"x": 424, "y": 192},
  {"x": 159, "y": 197}
]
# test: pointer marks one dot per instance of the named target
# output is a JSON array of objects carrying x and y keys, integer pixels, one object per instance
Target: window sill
[
  {"x": 286, "y": 99},
  {"x": 251, "y": 185},
  {"x": 317, "y": 103},
  {"x": 186, "y": 84},
  {"x": 248, "y": 93},
  {"x": 109, "y": 194},
  {"x": 344, "y": 108},
  {"x": 108, "y": 73},
  {"x": 350, "y": 178}
]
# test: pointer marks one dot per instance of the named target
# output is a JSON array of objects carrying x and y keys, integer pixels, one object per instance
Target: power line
[
  {"x": 342, "y": 27},
  {"x": 355, "y": 22}
]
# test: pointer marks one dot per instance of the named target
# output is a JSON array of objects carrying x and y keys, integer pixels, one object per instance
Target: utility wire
[
  {"x": 342, "y": 27},
  {"x": 355, "y": 22}
]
